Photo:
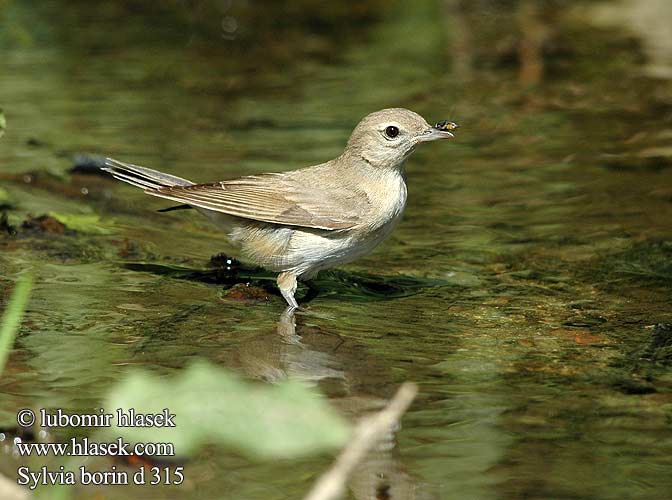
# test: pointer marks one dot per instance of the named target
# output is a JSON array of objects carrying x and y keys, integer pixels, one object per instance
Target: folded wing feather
[{"x": 287, "y": 198}]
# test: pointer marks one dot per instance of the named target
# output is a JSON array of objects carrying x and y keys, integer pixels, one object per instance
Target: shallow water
[{"x": 522, "y": 290}]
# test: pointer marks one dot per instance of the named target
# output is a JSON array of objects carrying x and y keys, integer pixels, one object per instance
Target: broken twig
[{"x": 369, "y": 431}]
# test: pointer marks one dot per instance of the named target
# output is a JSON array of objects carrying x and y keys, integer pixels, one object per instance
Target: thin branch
[{"x": 369, "y": 431}]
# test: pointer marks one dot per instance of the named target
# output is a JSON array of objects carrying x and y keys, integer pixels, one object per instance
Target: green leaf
[
  {"x": 214, "y": 406},
  {"x": 3, "y": 123}
]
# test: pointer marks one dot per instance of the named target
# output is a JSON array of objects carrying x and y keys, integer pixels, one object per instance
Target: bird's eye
[{"x": 391, "y": 131}]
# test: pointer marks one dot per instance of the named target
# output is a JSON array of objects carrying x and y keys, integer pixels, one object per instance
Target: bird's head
[{"x": 387, "y": 137}]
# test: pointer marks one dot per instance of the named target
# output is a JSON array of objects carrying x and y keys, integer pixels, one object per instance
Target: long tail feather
[{"x": 144, "y": 178}]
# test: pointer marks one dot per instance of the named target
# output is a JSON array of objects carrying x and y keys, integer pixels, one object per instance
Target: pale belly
[
  {"x": 303, "y": 252},
  {"x": 312, "y": 252}
]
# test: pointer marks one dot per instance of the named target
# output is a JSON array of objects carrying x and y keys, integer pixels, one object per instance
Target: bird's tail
[{"x": 144, "y": 178}]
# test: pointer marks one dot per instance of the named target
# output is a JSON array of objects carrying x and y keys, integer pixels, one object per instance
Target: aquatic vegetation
[
  {"x": 648, "y": 261},
  {"x": 11, "y": 318}
]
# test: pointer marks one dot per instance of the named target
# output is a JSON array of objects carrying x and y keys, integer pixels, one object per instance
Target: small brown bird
[{"x": 302, "y": 221}]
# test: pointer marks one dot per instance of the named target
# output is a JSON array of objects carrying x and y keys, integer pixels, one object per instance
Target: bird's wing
[{"x": 290, "y": 198}]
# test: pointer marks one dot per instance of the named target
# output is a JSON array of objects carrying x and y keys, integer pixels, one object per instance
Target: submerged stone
[
  {"x": 44, "y": 224},
  {"x": 245, "y": 291}
]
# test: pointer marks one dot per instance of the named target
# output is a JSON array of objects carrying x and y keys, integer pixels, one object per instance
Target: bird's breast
[{"x": 387, "y": 196}]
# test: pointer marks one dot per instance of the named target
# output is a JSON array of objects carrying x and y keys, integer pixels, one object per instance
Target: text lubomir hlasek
[{"x": 124, "y": 418}]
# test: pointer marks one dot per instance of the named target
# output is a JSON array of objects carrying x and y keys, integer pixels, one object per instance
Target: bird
[{"x": 299, "y": 222}]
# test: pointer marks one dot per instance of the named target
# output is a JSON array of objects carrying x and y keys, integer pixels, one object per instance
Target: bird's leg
[{"x": 287, "y": 286}]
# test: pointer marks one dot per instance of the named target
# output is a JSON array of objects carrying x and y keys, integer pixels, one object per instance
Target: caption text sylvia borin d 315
[{"x": 167, "y": 474}]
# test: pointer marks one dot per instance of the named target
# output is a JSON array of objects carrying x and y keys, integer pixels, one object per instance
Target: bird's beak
[{"x": 442, "y": 130}]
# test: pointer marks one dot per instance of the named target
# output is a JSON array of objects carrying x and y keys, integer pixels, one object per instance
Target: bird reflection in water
[{"x": 348, "y": 373}]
